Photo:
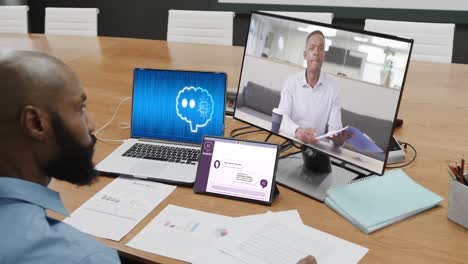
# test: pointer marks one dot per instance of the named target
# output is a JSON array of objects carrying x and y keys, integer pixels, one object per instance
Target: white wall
[
  {"x": 356, "y": 96},
  {"x": 456, "y": 5},
  {"x": 265, "y": 72},
  {"x": 296, "y": 47}
]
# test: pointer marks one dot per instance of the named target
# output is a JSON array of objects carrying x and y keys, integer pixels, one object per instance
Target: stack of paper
[
  {"x": 119, "y": 207},
  {"x": 200, "y": 237}
]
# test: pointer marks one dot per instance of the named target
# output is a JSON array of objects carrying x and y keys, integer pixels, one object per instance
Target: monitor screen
[
  {"x": 177, "y": 105},
  {"x": 333, "y": 89}
]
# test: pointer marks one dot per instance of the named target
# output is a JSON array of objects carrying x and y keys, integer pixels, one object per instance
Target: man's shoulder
[
  {"x": 83, "y": 245},
  {"x": 331, "y": 82},
  {"x": 34, "y": 236},
  {"x": 329, "y": 78},
  {"x": 297, "y": 76},
  {"x": 20, "y": 217},
  {"x": 293, "y": 79}
]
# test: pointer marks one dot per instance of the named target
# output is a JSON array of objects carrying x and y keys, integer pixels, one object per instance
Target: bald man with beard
[{"x": 45, "y": 134}]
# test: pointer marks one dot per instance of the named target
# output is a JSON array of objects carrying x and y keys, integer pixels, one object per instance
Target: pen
[
  {"x": 462, "y": 167},
  {"x": 451, "y": 175},
  {"x": 457, "y": 174}
]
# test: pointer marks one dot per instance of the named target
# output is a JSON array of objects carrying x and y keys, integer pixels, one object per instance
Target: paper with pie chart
[{"x": 182, "y": 233}]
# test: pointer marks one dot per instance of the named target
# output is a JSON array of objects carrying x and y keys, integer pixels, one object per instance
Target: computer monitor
[{"x": 304, "y": 80}]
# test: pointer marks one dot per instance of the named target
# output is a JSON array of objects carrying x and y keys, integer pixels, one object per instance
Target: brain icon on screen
[{"x": 195, "y": 106}]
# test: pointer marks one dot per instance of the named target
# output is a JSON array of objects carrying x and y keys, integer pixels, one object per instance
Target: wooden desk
[{"x": 434, "y": 108}]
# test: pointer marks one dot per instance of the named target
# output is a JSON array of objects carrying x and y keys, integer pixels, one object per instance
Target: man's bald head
[
  {"x": 31, "y": 78},
  {"x": 45, "y": 129}
]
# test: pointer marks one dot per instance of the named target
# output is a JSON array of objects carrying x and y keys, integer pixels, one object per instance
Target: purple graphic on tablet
[
  {"x": 264, "y": 183},
  {"x": 208, "y": 146}
]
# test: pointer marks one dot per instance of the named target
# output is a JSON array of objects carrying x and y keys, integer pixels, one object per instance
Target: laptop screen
[{"x": 178, "y": 106}]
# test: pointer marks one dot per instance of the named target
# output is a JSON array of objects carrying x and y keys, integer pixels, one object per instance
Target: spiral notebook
[{"x": 378, "y": 201}]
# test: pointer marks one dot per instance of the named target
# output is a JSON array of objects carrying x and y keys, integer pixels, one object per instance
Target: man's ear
[
  {"x": 35, "y": 122},
  {"x": 305, "y": 54}
]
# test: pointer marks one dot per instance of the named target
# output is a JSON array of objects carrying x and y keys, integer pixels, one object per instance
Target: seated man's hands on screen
[
  {"x": 307, "y": 260},
  {"x": 306, "y": 135},
  {"x": 309, "y": 136},
  {"x": 339, "y": 138}
]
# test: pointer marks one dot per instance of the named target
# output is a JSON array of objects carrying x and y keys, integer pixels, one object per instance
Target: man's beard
[{"x": 72, "y": 162}]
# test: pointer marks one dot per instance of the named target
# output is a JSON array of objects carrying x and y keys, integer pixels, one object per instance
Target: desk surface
[{"x": 434, "y": 108}]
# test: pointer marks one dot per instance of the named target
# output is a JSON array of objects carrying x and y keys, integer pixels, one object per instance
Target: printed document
[
  {"x": 331, "y": 133},
  {"x": 194, "y": 236},
  {"x": 119, "y": 207},
  {"x": 183, "y": 233},
  {"x": 273, "y": 237},
  {"x": 276, "y": 242},
  {"x": 242, "y": 226}
]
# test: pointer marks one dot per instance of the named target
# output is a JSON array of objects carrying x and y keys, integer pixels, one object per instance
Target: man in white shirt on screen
[{"x": 310, "y": 99}]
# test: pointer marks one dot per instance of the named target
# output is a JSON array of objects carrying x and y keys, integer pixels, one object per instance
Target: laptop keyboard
[{"x": 163, "y": 153}]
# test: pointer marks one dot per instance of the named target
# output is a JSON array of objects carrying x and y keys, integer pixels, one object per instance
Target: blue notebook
[{"x": 377, "y": 201}]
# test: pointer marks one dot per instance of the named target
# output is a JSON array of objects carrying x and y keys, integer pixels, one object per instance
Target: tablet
[{"x": 238, "y": 169}]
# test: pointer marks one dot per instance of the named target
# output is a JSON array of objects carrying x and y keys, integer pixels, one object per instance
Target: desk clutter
[
  {"x": 375, "y": 202},
  {"x": 281, "y": 237},
  {"x": 271, "y": 238},
  {"x": 458, "y": 194},
  {"x": 370, "y": 204},
  {"x": 201, "y": 237}
]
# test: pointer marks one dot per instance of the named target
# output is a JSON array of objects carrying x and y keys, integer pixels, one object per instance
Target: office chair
[
  {"x": 204, "y": 27},
  {"x": 71, "y": 21},
  {"x": 432, "y": 41},
  {"x": 326, "y": 18},
  {"x": 13, "y": 2},
  {"x": 14, "y": 19}
]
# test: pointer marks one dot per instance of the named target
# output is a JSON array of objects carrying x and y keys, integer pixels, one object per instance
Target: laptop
[{"x": 171, "y": 112}]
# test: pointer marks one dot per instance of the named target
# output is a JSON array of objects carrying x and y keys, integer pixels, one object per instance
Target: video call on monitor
[{"x": 359, "y": 89}]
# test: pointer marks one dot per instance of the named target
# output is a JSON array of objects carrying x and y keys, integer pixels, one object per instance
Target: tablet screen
[{"x": 236, "y": 168}]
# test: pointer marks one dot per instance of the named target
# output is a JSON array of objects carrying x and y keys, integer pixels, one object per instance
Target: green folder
[{"x": 377, "y": 201}]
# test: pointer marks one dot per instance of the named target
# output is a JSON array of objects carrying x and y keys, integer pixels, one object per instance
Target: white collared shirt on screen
[{"x": 303, "y": 106}]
